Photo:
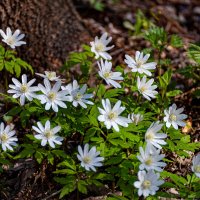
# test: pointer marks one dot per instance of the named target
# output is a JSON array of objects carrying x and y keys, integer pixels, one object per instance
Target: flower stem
[
  {"x": 97, "y": 90},
  {"x": 159, "y": 59}
]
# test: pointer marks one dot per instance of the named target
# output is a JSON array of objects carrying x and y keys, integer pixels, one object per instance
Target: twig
[
  {"x": 186, "y": 93},
  {"x": 52, "y": 195}
]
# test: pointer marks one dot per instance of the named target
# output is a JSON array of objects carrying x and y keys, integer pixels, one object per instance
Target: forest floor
[{"x": 180, "y": 17}]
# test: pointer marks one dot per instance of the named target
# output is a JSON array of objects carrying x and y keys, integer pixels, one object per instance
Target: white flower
[
  {"x": 89, "y": 158},
  {"x": 148, "y": 183},
  {"x": 174, "y": 117},
  {"x": 6, "y": 137},
  {"x": 99, "y": 47},
  {"x": 50, "y": 75},
  {"x": 109, "y": 76},
  {"x": 13, "y": 40},
  {"x": 139, "y": 63},
  {"x": 52, "y": 96},
  {"x": 46, "y": 134},
  {"x": 146, "y": 88},
  {"x": 78, "y": 94},
  {"x": 136, "y": 118},
  {"x": 23, "y": 90},
  {"x": 151, "y": 159},
  {"x": 110, "y": 116},
  {"x": 152, "y": 137},
  {"x": 196, "y": 165},
  {"x": 71, "y": 87}
]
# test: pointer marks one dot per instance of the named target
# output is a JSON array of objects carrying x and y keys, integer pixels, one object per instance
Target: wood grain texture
[{"x": 52, "y": 27}]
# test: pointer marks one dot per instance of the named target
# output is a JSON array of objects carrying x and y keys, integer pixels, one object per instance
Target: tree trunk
[{"x": 52, "y": 27}]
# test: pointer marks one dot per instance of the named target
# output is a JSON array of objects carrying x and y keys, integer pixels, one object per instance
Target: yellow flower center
[
  {"x": 10, "y": 41},
  {"x": 99, "y": 46},
  {"x": 48, "y": 133},
  {"x": 138, "y": 64},
  {"x": 143, "y": 88},
  {"x": 86, "y": 159},
  {"x": 148, "y": 161},
  {"x": 4, "y": 137},
  {"x": 197, "y": 169},
  {"x": 50, "y": 75},
  {"x": 173, "y": 117},
  {"x": 78, "y": 96},
  {"x": 146, "y": 184},
  {"x": 149, "y": 136},
  {"x": 107, "y": 75},
  {"x": 112, "y": 115},
  {"x": 24, "y": 88},
  {"x": 52, "y": 96}
]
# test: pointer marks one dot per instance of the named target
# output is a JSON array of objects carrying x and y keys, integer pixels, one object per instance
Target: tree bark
[{"x": 53, "y": 28}]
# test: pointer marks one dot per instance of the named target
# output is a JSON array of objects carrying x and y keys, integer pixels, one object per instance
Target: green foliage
[
  {"x": 176, "y": 41},
  {"x": 157, "y": 37},
  {"x": 192, "y": 71},
  {"x": 81, "y": 59},
  {"x": 11, "y": 63},
  {"x": 141, "y": 24},
  {"x": 97, "y": 4},
  {"x": 194, "y": 53},
  {"x": 80, "y": 126}
]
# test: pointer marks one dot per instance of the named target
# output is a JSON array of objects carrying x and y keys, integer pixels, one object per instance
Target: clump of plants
[{"x": 117, "y": 133}]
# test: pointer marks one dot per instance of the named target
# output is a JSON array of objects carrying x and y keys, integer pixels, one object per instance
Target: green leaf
[
  {"x": 17, "y": 69},
  {"x": 82, "y": 186},
  {"x": 69, "y": 185},
  {"x": 50, "y": 158},
  {"x": 9, "y": 67},
  {"x": 1, "y": 64},
  {"x": 64, "y": 171},
  {"x": 178, "y": 180},
  {"x": 101, "y": 91},
  {"x": 185, "y": 139},
  {"x": 157, "y": 37},
  {"x": 38, "y": 157},
  {"x": 66, "y": 190},
  {"x": 113, "y": 93},
  {"x": 176, "y": 41},
  {"x": 103, "y": 176},
  {"x": 68, "y": 163},
  {"x": 194, "y": 53},
  {"x": 14, "y": 111},
  {"x": 173, "y": 93},
  {"x": 165, "y": 79},
  {"x": 59, "y": 153},
  {"x": 27, "y": 152}
]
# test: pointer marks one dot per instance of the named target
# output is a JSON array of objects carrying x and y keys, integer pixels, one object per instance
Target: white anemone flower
[
  {"x": 151, "y": 159},
  {"x": 13, "y": 40},
  {"x": 71, "y": 87},
  {"x": 109, "y": 76},
  {"x": 24, "y": 89},
  {"x": 153, "y": 138},
  {"x": 78, "y": 94},
  {"x": 89, "y": 158},
  {"x": 148, "y": 183},
  {"x": 46, "y": 134},
  {"x": 52, "y": 97},
  {"x": 110, "y": 116},
  {"x": 136, "y": 118},
  {"x": 100, "y": 48},
  {"x": 174, "y": 117},
  {"x": 146, "y": 88},
  {"x": 196, "y": 165},
  {"x": 139, "y": 64},
  {"x": 50, "y": 75},
  {"x": 7, "y": 139}
]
